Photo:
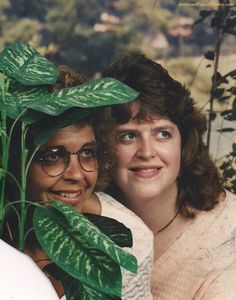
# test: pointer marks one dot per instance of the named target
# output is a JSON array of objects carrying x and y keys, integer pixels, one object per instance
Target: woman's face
[
  {"x": 148, "y": 158},
  {"x": 74, "y": 185}
]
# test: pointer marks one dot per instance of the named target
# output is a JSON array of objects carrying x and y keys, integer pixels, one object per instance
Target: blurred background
[{"x": 194, "y": 40}]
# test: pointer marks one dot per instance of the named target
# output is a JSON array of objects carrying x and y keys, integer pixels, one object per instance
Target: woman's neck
[
  {"x": 155, "y": 212},
  {"x": 92, "y": 205}
]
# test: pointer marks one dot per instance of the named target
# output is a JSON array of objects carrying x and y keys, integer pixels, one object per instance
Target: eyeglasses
[{"x": 55, "y": 160}]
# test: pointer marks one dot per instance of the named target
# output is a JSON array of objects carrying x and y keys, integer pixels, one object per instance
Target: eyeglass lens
[{"x": 55, "y": 161}]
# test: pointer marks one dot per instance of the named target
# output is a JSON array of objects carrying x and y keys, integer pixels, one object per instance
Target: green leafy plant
[{"x": 84, "y": 258}]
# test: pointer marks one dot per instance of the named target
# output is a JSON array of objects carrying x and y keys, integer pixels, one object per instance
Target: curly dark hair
[{"x": 199, "y": 184}]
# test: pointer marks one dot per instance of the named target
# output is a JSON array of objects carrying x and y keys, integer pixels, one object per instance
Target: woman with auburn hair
[{"x": 165, "y": 175}]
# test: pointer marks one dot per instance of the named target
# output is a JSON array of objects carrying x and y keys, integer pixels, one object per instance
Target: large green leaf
[
  {"x": 95, "y": 237},
  {"x": 74, "y": 289},
  {"x": 68, "y": 248},
  {"x": 30, "y": 74},
  {"x": 24, "y": 64},
  {"x": 94, "y": 93},
  {"x": 19, "y": 97}
]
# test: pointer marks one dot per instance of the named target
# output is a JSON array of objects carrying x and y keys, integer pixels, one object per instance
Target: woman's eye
[
  {"x": 164, "y": 134},
  {"x": 127, "y": 137},
  {"x": 88, "y": 152},
  {"x": 51, "y": 156}
]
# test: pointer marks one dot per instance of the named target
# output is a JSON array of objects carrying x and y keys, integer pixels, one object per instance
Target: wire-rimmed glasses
[{"x": 54, "y": 161}]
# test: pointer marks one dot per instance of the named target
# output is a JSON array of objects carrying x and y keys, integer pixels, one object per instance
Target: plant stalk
[
  {"x": 4, "y": 153},
  {"x": 23, "y": 207}
]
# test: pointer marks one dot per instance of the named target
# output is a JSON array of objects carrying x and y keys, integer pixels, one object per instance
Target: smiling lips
[
  {"x": 145, "y": 172},
  {"x": 71, "y": 198},
  {"x": 69, "y": 195}
]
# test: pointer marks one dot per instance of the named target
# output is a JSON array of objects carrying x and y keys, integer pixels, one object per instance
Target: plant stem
[
  {"x": 4, "y": 154},
  {"x": 23, "y": 208}
]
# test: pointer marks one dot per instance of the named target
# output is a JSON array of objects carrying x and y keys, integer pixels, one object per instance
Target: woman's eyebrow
[
  {"x": 163, "y": 127},
  {"x": 49, "y": 147},
  {"x": 122, "y": 129},
  {"x": 92, "y": 143},
  {"x": 127, "y": 131},
  {"x": 61, "y": 146}
]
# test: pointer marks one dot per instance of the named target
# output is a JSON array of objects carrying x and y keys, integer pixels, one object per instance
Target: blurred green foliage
[{"x": 87, "y": 34}]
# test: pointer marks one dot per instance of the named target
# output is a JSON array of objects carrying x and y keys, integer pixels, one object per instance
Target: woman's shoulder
[
  {"x": 229, "y": 207},
  {"x": 142, "y": 235},
  {"x": 217, "y": 228},
  {"x": 213, "y": 231},
  {"x": 221, "y": 219},
  {"x": 224, "y": 211},
  {"x": 230, "y": 196}
]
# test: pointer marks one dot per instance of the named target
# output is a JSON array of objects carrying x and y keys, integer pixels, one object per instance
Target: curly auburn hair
[{"x": 199, "y": 184}]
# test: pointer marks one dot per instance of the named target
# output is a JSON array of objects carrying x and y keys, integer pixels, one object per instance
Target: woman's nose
[
  {"x": 146, "y": 149},
  {"x": 73, "y": 170}
]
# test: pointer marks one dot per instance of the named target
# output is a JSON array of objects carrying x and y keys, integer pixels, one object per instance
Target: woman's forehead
[{"x": 72, "y": 134}]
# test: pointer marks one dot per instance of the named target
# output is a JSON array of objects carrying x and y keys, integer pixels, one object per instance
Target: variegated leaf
[
  {"x": 68, "y": 248},
  {"x": 96, "y": 238},
  {"x": 75, "y": 289},
  {"x": 94, "y": 93},
  {"x": 19, "y": 97},
  {"x": 27, "y": 66}
]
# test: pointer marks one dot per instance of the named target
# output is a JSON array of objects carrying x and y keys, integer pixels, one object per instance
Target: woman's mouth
[
  {"x": 72, "y": 198},
  {"x": 146, "y": 172},
  {"x": 69, "y": 195}
]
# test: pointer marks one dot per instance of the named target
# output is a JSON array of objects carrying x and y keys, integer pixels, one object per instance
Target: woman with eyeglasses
[{"x": 71, "y": 167}]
